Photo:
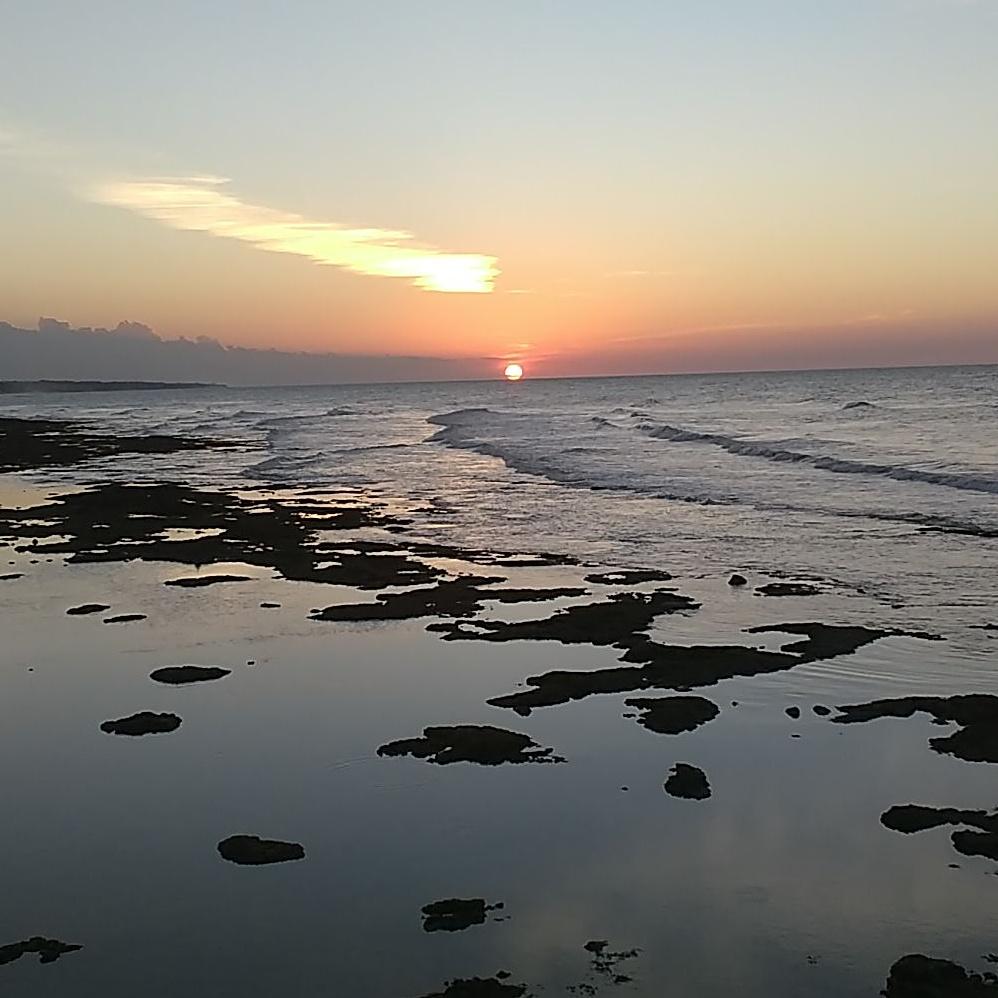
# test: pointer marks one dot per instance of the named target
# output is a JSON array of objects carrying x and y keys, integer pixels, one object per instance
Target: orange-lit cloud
[{"x": 202, "y": 204}]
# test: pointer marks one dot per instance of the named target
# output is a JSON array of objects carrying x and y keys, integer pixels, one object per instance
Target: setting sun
[{"x": 513, "y": 372}]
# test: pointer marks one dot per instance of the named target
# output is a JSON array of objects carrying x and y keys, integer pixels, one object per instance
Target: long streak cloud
[{"x": 202, "y": 204}]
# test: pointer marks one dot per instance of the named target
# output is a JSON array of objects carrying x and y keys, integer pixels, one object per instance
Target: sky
[{"x": 582, "y": 187}]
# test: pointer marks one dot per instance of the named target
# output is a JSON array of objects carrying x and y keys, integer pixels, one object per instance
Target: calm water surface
[{"x": 784, "y": 882}]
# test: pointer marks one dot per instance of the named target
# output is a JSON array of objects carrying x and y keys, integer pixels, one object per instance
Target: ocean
[
  {"x": 885, "y": 480},
  {"x": 875, "y": 492}
]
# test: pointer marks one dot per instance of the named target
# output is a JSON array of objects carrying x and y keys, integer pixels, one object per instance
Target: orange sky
[{"x": 645, "y": 194}]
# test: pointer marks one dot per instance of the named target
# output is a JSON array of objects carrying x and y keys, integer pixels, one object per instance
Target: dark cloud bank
[{"x": 134, "y": 352}]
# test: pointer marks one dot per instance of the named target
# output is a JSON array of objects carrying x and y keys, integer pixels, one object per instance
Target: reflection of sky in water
[{"x": 110, "y": 842}]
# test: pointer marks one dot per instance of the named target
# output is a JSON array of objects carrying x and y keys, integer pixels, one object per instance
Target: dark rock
[
  {"x": 40, "y": 443},
  {"x": 143, "y": 723},
  {"x": 175, "y": 675},
  {"x": 982, "y": 841},
  {"x": 456, "y": 914},
  {"x": 199, "y": 581},
  {"x": 687, "y": 782},
  {"x": 478, "y": 987},
  {"x": 270, "y": 606},
  {"x": 117, "y": 522},
  {"x": 976, "y": 713},
  {"x": 919, "y": 976},
  {"x": 628, "y": 577},
  {"x": 673, "y": 715},
  {"x": 47, "y": 950},
  {"x": 611, "y": 622},
  {"x": 11, "y": 576},
  {"x": 476, "y": 743},
  {"x": 788, "y": 589},
  {"x": 85, "y": 608},
  {"x": 737, "y": 580},
  {"x": 460, "y": 597},
  {"x": 821, "y": 710},
  {"x": 124, "y": 618},
  {"x": 682, "y": 667},
  {"x": 249, "y": 850},
  {"x": 793, "y": 712}
]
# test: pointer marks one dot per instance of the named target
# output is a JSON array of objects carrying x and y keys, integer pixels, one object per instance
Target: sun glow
[{"x": 513, "y": 372}]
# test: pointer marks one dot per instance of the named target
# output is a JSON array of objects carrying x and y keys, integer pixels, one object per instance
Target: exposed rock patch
[
  {"x": 611, "y": 622},
  {"x": 977, "y": 714},
  {"x": 479, "y": 987},
  {"x": 788, "y": 589},
  {"x": 982, "y": 840},
  {"x": 674, "y": 715},
  {"x": 199, "y": 581},
  {"x": 919, "y": 976},
  {"x": 176, "y": 675},
  {"x": 682, "y": 667},
  {"x": 460, "y": 597},
  {"x": 476, "y": 743},
  {"x": 124, "y": 618},
  {"x": 87, "y": 608},
  {"x": 41, "y": 443},
  {"x": 456, "y": 914},
  {"x": 250, "y": 850},
  {"x": 143, "y": 723},
  {"x": 687, "y": 782},
  {"x": 47, "y": 950},
  {"x": 628, "y": 577}
]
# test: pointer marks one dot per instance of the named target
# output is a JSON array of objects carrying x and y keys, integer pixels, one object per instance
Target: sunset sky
[{"x": 583, "y": 187}]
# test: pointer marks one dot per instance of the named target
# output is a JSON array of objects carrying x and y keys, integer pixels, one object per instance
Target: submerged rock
[
  {"x": 47, "y": 950},
  {"x": 250, "y": 850},
  {"x": 478, "y": 743},
  {"x": 456, "y": 914},
  {"x": 687, "y": 782},
  {"x": 918, "y": 976},
  {"x": 673, "y": 715},
  {"x": 143, "y": 723},
  {"x": 175, "y": 675},
  {"x": 87, "y": 608}
]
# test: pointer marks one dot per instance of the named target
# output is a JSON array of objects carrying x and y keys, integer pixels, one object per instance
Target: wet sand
[{"x": 367, "y": 677}]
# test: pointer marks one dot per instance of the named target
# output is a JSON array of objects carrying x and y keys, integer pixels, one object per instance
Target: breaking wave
[{"x": 838, "y": 465}]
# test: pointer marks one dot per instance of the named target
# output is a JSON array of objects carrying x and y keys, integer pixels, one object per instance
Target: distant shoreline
[{"x": 35, "y": 387}]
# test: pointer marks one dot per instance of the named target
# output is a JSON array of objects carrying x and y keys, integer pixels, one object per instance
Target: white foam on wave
[{"x": 824, "y": 462}]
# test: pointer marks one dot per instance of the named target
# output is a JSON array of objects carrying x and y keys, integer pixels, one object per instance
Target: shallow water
[{"x": 784, "y": 882}]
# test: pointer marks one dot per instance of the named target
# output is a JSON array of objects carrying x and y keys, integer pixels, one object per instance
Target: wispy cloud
[{"x": 203, "y": 204}]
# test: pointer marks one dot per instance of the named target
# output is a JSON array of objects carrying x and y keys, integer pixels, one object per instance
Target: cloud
[
  {"x": 203, "y": 204},
  {"x": 131, "y": 351}
]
